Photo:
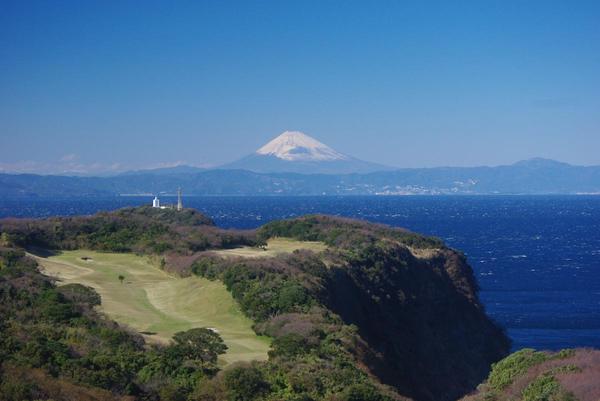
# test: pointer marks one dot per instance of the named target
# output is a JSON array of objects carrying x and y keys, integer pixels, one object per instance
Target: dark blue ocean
[{"x": 537, "y": 258}]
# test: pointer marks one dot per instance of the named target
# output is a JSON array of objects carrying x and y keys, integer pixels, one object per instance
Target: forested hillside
[{"x": 380, "y": 314}]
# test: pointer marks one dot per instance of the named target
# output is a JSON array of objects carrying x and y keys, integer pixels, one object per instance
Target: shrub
[
  {"x": 245, "y": 383},
  {"x": 142, "y": 229},
  {"x": 362, "y": 392},
  {"x": 53, "y": 306},
  {"x": 541, "y": 389},
  {"x": 207, "y": 267},
  {"x": 289, "y": 345},
  {"x": 81, "y": 294},
  {"x": 342, "y": 233},
  {"x": 504, "y": 372}
]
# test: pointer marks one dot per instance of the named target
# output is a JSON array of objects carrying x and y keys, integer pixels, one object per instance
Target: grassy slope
[
  {"x": 275, "y": 246},
  {"x": 150, "y": 300}
]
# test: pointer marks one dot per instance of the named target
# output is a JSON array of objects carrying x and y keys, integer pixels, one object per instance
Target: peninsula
[{"x": 161, "y": 304}]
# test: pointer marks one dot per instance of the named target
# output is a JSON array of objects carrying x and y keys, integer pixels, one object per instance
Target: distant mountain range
[
  {"x": 535, "y": 176},
  {"x": 297, "y": 164}
]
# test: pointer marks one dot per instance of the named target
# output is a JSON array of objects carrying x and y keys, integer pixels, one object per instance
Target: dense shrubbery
[
  {"x": 504, "y": 372},
  {"x": 54, "y": 342},
  {"x": 371, "y": 277},
  {"x": 181, "y": 366},
  {"x": 365, "y": 306},
  {"x": 56, "y": 331},
  {"x": 265, "y": 288},
  {"x": 245, "y": 383},
  {"x": 80, "y": 294},
  {"x": 262, "y": 295},
  {"x": 314, "y": 354},
  {"x": 343, "y": 233},
  {"x": 530, "y": 375},
  {"x": 543, "y": 388},
  {"x": 44, "y": 329},
  {"x": 142, "y": 230}
]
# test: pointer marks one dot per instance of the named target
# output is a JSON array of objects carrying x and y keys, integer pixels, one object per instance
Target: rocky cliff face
[
  {"x": 421, "y": 316},
  {"x": 414, "y": 302}
]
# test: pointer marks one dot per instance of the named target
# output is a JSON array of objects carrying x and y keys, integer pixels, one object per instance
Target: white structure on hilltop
[
  {"x": 156, "y": 203},
  {"x": 179, "y": 202}
]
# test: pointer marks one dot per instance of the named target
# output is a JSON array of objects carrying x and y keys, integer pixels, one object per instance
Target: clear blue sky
[{"x": 128, "y": 84}]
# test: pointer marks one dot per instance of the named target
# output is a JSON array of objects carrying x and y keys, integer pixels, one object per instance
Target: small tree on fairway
[{"x": 121, "y": 278}]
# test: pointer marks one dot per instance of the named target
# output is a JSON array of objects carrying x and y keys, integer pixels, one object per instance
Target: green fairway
[
  {"x": 275, "y": 246},
  {"x": 156, "y": 303}
]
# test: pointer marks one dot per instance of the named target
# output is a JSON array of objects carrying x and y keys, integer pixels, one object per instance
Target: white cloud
[
  {"x": 70, "y": 165},
  {"x": 69, "y": 158}
]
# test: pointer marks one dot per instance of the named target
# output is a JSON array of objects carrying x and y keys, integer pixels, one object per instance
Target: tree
[
  {"x": 199, "y": 344},
  {"x": 176, "y": 369},
  {"x": 245, "y": 383},
  {"x": 362, "y": 392},
  {"x": 121, "y": 278},
  {"x": 80, "y": 294},
  {"x": 290, "y": 345},
  {"x": 4, "y": 239}
]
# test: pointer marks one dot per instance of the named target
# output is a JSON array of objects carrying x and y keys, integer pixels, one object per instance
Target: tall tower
[{"x": 179, "y": 203}]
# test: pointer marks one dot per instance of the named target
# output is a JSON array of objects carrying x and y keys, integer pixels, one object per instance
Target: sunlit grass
[
  {"x": 151, "y": 301},
  {"x": 275, "y": 246}
]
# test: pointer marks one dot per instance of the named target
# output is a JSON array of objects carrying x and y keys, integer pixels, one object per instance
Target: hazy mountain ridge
[{"x": 534, "y": 176}]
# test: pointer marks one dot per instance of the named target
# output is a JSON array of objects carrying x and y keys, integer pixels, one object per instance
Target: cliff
[
  {"x": 413, "y": 300},
  {"x": 380, "y": 314}
]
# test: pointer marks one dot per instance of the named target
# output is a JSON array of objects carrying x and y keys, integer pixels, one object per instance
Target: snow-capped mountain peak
[
  {"x": 296, "y": 152},
  {"x": 297, "y": 146}
]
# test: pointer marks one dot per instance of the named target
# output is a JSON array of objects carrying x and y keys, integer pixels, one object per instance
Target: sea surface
[{"x": 537, "y": 258}]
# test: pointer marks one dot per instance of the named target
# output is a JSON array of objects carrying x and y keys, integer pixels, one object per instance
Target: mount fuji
[{"x": 296, "y": 152}]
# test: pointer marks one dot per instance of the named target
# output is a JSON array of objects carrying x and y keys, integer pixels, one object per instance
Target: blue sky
[{"x": 94, "y": 86}]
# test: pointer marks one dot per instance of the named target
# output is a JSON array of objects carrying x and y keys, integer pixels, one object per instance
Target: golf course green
[
  {"x": 275, "y": 246},
  {"x": 137, "y": 293}
]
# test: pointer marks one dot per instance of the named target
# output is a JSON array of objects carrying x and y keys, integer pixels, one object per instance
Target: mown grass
[
  {"x": 151, "y": 301},
  {"x": 275, "y": 246}
]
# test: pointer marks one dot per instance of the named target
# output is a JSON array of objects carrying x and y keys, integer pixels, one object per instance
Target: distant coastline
[{"x": 532, "y": 177}]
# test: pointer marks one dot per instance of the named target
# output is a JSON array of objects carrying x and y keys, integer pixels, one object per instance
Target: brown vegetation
[
  {"x": 584, "y": 384},
  {"x": 39, "y": 385},
  {"x": 545, "y": 376},
  {"x": 363, "y": 312}
]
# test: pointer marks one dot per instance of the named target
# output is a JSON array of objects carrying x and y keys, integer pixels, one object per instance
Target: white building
[
  {"x": 179, "y": 202},
  {"x": 156, "y": 203}
]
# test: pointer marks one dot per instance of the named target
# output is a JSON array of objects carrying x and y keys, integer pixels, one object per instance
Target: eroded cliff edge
[
  {"x": 414, "y": 301},
  {"x": 374, "y": 306}
]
